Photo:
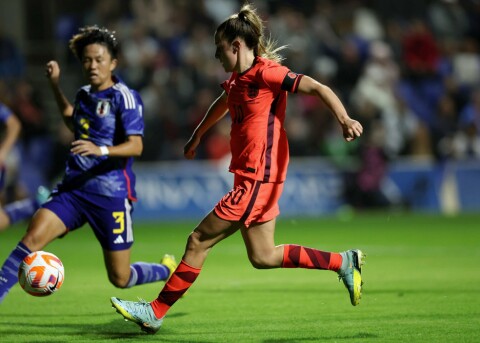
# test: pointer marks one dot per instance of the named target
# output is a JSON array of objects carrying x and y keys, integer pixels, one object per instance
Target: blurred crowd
[{"x": 408, "y": 70}]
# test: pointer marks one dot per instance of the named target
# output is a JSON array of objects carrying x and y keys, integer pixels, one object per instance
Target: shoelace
[{"x": 143, "y": 308}]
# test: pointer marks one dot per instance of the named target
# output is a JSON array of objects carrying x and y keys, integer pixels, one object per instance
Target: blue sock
[
  {"x": 22, "y": 209},
  {"x": 142, "y": 272},
  {"x": 9, "y": 271}
]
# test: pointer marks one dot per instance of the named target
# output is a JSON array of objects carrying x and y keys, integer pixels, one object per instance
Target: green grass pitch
[{"x": 422, "y": 284}]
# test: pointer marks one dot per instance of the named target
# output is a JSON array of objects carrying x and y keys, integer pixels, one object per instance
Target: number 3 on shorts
[{"x": 119, "y": 218}]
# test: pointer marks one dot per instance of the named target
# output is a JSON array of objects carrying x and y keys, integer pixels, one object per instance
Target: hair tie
[{"x": 242, "y": 17}]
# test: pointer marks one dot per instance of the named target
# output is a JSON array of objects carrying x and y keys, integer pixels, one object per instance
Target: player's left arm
[
  {"x": 13, "y": 128},
  {"x": 351, "y": 128}
]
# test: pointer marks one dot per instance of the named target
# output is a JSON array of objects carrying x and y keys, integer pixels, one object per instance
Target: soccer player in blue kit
[
  {"x": 20, "y": 209},
  {"x": 99, "y": 185}
]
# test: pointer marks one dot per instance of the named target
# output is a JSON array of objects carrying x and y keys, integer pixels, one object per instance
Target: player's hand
[
  {"x": 351, "y": 130},
  {"x": 52, "y": 71},
  {"x": 190, "y": 147},
  {"x": 85, "y": 148}
]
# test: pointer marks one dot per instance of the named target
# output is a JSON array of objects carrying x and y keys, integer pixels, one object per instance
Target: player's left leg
[
  {"x": 124, "y": 274},
  {"x": 44, "y": 228},
  {"x": 22, "y": 209},
  {"x": 264, "y": 254},
  {"x": 258, "y": 235},
  {"x": 149, "y": 316}
]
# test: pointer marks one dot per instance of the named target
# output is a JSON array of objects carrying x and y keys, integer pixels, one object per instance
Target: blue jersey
[
  {"x": 105, "y": 118},
  {"x": 5, "y": 113}
]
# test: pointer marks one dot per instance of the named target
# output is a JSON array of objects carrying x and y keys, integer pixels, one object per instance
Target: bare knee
[
  {"x": 118, "y": 280},
  {"x": 263, "y": 261}
]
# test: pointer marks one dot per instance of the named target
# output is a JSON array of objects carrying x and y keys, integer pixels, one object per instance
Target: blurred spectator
[
  {"x": 466, "y": 63},
  {"x": 468, "y": 140},
  {"x": 367, "y": 25},
  {"x": 12, "y": 64},
  {"x": 422, "y": 86},
  {"x": 369, "y": 188},
  {"x": 35, "y": 142},
  {"x": 377, "y": 87},
  {"x": 350, "y": 67},
  {"x": 445, "y": 129},
  {"x": 105, "y": 13},
  {"x": 420, "y": 51},
  {"x": 378, "y": 80},
  {"x": 448, "y": 19},
  {"x": 139, "y": 51}
]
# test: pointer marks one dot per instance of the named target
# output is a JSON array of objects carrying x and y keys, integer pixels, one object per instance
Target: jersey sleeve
[
  {"x": 5, "y": 113},
  {"x": 280, "y": 78},
  {"x": 131, "y": 109}
]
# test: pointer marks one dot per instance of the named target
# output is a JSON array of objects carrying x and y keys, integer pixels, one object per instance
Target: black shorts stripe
[{"x": 251, "y": 202}]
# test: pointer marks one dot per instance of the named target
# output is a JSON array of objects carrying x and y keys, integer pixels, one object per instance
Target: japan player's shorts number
[{"x": 120, "y": 219}]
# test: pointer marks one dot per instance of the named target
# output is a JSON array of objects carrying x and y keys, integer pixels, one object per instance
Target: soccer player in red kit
[{"x": 256, "y": 97}]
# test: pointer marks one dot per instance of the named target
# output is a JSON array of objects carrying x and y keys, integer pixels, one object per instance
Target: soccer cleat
[
  {"x": 170, "y": 262},
  {"x": 351, "y": 273},
  {"x": 139, "y": 312},
  {"x": 43, "y": 193}
]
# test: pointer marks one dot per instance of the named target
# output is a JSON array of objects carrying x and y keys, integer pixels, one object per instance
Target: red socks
[
  {"x": 183, "y": 277},
  {"x": 296, "y": 256}
]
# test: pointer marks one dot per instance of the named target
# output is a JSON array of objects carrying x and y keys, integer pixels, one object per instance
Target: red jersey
[{"x": 257, "y": 100}]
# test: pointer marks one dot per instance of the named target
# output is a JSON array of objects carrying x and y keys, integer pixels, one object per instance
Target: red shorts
[{"x": 250, "y": 201}]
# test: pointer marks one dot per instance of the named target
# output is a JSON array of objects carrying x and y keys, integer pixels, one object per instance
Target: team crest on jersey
[
  {"x": 103, "y": 108},
  {"x": 252, "y": 90}
]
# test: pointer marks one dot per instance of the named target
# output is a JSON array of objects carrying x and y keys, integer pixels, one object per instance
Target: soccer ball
[{"x": 41, "y": 273}]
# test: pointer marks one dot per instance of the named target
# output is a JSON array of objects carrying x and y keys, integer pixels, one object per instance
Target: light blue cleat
[
  {"x": 43, "y": 194},
  {"x": 351, "y": 273},
  {"x": 139, "y": 312}
]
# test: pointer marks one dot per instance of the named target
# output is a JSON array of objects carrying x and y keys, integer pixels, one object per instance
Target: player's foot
[
  {"x": 351, "y": 273},
  {"x": 139, "y": 312},
  {"x": 170, "y": 262},
  {"x": 43, "y": 193}
]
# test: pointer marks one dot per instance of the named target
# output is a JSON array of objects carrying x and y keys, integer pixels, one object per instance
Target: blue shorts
[{"x": 110, "y": 218}]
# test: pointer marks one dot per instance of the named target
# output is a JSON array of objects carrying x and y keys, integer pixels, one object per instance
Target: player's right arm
[
  {"x": 13, "y": 128},
  {"x": 217, "y": 111},
  {"x": 52, "y": 70}
]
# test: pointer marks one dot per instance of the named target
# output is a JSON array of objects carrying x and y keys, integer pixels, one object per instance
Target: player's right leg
[
  {"x": 210, "y": 231},
  {"x": 44, "y": 228}
]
